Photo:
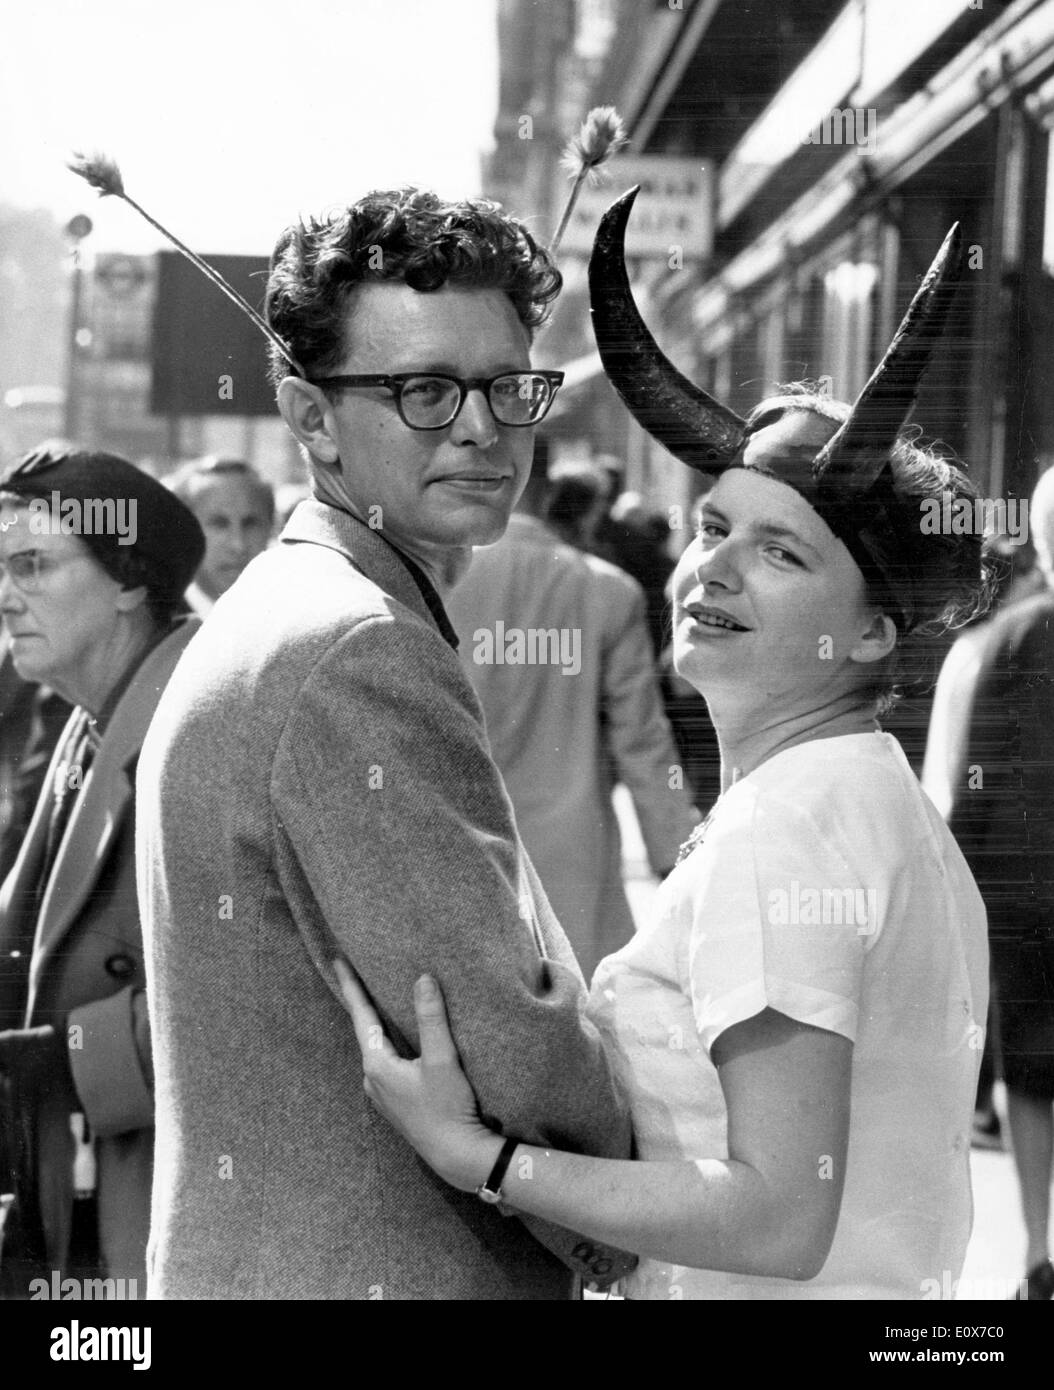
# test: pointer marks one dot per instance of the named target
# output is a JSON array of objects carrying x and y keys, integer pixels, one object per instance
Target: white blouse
[{"x": 828, "y": 888}]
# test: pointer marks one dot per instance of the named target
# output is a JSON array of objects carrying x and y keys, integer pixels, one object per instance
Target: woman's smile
[{"x": 709, "y": 621}]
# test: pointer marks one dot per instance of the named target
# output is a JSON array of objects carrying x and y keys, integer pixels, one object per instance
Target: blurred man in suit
[
  {"x": 565, "y": 728},
  {"x": 992, "y": 748}
]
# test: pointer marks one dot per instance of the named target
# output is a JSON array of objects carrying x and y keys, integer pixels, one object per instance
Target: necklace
[{"x": 697, "y": 836}]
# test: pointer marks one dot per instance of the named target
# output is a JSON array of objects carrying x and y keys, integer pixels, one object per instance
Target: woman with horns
[{"x": 800, "y": 1028}]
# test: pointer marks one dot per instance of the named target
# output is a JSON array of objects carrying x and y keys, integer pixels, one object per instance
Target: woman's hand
[{"x": 428, "y": 1100}]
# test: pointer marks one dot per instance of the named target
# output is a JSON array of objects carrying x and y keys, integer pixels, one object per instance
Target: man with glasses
[{"x": 318, "y": 783}]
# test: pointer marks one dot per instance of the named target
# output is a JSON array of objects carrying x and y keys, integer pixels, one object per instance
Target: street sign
[
  {"x": 122, "y": 308},
  {"x": 672, "y": 217},
  {"x": 79, "y": 227},
  {"x": 122, "y": 276},
  {"x": 208, "y": 357}
]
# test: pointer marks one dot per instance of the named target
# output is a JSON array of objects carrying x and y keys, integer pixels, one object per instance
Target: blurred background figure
[
  {"x": 31, "y": 719},
  {"x": 944, "y": 780},
  {"x": 576, "y": 502},
  {"x": 636, "y": 538},
  {"x": 236, "y": 509},
  {"x": 561, "y": 736},
  {"x": 693, "y": 729},
  {"x": 103, "y": 622},
  {"x": 989, "y": 767}
]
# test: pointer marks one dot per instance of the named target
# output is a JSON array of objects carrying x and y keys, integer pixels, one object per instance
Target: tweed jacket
[
  {"x": 85, "y": 961},
  {"x": 318, "y": 781},
  {"x": 563, "y": 736}
]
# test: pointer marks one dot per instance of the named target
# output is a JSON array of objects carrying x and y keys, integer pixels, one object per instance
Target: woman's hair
[
  {"x": 796, "y": 395},
  {"x": 952, "y": 578},
  {"x": 164, "y": 544},
  {"x": 132, "y": 571},
  {"x": 939, "y": 578},
  {"x": 405, "y": 235},
  {"x": 130, "y": 568}
]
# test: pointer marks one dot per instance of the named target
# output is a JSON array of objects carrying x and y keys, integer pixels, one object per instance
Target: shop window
[
  {"x": 1048, "y": 213},
  {"x": 847, "y": 326}
]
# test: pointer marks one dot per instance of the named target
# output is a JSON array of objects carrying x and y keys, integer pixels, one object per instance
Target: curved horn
[
  {"x": 886, "y": 402},
  {"x": 701, "y": 432}
]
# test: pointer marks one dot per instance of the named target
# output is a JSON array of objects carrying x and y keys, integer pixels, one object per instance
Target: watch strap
[{"x": 490, "y": 1191}]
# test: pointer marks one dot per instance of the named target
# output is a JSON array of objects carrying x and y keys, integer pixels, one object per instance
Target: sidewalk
[{"x": 995, "y": 1258}]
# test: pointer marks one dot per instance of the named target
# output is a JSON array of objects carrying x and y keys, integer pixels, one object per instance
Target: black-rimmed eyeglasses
[{"x": 432, "y": 400}]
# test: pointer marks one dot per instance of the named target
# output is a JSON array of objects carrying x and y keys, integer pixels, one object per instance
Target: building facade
[{"x": 846, "y": 138}]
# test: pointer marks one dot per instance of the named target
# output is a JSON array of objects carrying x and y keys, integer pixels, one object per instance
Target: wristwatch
[{"x": 490, "y": 1191}]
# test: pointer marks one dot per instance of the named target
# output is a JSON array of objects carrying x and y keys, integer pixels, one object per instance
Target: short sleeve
[{"x": 779, "y": 918}]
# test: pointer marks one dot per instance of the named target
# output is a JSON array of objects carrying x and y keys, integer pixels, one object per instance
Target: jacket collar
[{"x": 317, "y": 523}]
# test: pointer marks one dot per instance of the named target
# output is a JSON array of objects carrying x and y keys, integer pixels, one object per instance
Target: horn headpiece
[{"x": 850, "y": 481}]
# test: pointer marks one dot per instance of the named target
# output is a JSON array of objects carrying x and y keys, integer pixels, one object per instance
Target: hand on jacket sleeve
[{"x": 443, "y": 887}]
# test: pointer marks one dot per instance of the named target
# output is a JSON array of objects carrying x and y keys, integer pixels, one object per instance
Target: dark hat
[{"x": 138, "y": 531}]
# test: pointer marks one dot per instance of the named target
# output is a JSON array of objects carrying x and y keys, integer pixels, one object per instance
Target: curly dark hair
[
  {"x": 936, "y": 579},
  {"x": 407, "y": 235}
]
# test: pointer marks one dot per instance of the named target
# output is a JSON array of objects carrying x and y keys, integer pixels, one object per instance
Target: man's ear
[
  {"x": 128, "y": 600},
  {"x": 877, "y": 640},
  {"x": 309, "y": 415}
]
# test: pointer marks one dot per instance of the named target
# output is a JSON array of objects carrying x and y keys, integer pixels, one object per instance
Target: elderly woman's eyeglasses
[
  {"x": 432, "y": 400},
  {"x": 28, "y": 569}
]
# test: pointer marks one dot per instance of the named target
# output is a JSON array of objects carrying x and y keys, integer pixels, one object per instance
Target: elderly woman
[
  {"x": 800, "y": 1028},
  {"x": 94, "y": 560}
]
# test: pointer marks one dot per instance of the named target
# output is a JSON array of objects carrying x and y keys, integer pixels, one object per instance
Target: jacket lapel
[
  {"x": 89, "y": 833},
  {"x": 26, "y": 869},
  {"x": 104, "y": 799},
  {"x": 317, "y": 523},
  {"x": 18, "y": 897}
]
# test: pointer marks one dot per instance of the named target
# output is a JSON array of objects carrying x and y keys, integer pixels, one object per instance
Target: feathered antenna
[
  {"x": 602, "y": 135},
  {"x": 104, "y": 175}
]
